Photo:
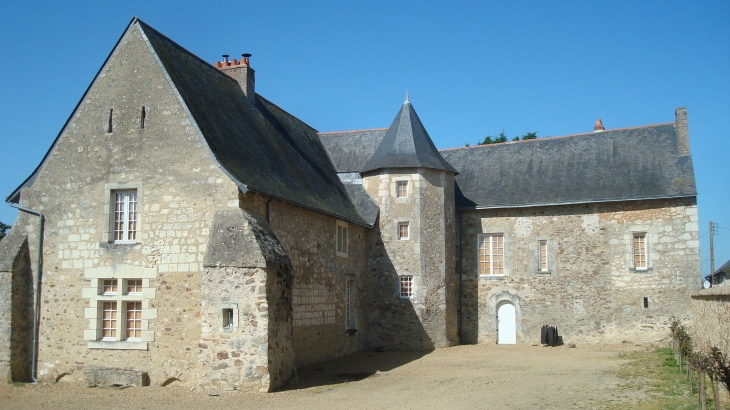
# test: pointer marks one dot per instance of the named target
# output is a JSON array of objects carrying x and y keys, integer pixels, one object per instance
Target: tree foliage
[
  {"x": 4, "y": 229},
  {"x": 502, "y": 137}
]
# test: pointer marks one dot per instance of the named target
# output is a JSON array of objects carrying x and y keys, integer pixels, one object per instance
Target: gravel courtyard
[{"x": 474, "y": 377}]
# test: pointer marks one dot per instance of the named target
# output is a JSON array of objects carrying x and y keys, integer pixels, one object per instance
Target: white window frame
[
  {"x": 542, "y": 251},
  {"x": 644, "y": 248},
  {"x": 129, "y": 216},
  {"x": 398, "y": 185},
  {"x": 408, "y": 231},
  {"x": 350, "y": 308},
  {"x": 342, "y": 238},
  {"x": 405, "y": 292},
  {"x": 490, "y": 253}
]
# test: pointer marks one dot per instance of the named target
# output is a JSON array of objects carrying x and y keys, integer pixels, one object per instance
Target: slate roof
[
  {"x": 349, "y": 151},
  {"x": 624, "y": 164},
  {"x": 260, "y": 146},
  {"x": 406, "y": 144}
]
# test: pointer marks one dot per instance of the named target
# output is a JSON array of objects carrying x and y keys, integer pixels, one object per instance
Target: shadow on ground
[{"x": 354, "y": 367}]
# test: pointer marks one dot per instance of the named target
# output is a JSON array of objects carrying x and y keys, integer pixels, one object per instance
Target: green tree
[
  {"x": 529, "y": 136},
  {"x": 4, "y": 229},
  {"x": 502, "y": 137}
]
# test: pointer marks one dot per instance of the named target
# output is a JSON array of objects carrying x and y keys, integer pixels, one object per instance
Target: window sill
[
  {"x": 639, "y": 271},
  {"x": 543, "y": 273},
  {"x": 117, "y": 345},
  {"x": 341, "y": 254},
  {"x": 492, "y": 277},
  {"x": 351, "y": 332},
  {"x": 119, "y": 245}
]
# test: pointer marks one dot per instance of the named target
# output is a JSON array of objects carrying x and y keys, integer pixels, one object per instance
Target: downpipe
[{"x": 37, "y": 302}]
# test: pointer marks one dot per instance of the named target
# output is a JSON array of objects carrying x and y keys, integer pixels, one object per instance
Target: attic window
[
  {"x": 109, "y": 124},
  {"x": 142, "y": 117}
]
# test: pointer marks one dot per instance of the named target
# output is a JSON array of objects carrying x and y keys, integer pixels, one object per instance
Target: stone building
[{"x": 184, "y": 228}]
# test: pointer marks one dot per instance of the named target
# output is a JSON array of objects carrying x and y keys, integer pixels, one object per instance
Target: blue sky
[{"x": 472, "y": 69}]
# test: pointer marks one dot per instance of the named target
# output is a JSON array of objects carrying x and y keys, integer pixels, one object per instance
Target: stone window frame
[
  {"x": 543, "y": 255},
  {"x": 109, "y": 193},
  {"x": 394, "y": 189},
  {"x": 400, "y": 226},
  {"x": 342, "y": 238},
  {"x": 401, "y": 188},
  {"x": 96, "y": 297},
  {"x": 491, "y": 264},
  {"x": 222, "y": 308},
  {"x": 645, "y": 254}
]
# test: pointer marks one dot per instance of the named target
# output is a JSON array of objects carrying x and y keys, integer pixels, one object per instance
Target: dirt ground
[{"x": 474, "y": 377}]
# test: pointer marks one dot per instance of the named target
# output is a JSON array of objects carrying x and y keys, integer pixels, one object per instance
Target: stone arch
[{"x": 499, "y": 297}]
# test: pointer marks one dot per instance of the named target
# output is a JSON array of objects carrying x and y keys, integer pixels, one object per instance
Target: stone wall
[
  {"x": 319, "y": 277},
  {"x": 428, "y": 319},
  {"x": 711, "y": 319},
  {"x": 247, "y": 276},
  {"x": 16, "y": 309},
  {"x": 591, "y": 290},
  {"x": 179, "y": 188}
]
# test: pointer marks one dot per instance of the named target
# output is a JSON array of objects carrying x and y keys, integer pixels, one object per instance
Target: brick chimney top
[
  {"x": 232, "y": 63},
  {"x": 240, "y": 71},
  {"x": 599, "y": 126}
]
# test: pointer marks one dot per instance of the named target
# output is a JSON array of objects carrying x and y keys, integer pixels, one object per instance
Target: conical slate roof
[{"x": 406, "y": 144}]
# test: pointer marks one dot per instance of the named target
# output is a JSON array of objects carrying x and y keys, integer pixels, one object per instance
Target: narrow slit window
[
  {"x": 543, "y": 256},
  {"x": 109, "y": 126},
  {"x": 646, "y": 303},
  {"x": 142, "y": 117}
]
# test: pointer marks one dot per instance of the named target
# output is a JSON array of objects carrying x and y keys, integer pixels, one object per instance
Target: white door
[{"x": 506, "y": 324}]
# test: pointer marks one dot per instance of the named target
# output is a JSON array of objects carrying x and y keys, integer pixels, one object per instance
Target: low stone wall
[{"x": 711, "y": 318}]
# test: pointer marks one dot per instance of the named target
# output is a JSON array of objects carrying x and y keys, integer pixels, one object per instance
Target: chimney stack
[
  {"x": 240, "y": 71},
  {"x": 682, "y": 128},
  {"x": 599, "y": 126}
]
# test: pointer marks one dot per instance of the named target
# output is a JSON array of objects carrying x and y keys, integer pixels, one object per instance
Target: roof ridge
[
  {"x": 287, "y": 112},
  {"x": 353, "y": 131},
  {"x": 559, "y": 136}
]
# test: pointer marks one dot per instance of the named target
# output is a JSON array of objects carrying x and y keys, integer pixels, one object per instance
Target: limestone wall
[
  {"x": 16, "y": 309},
  {"x": 178, "y": 188},
  {"x": 428, "y": 318},
  {"x": 319, "y": 277},
  {"x": 591, "y": 290},
  {"x": 711, "y": 319}
]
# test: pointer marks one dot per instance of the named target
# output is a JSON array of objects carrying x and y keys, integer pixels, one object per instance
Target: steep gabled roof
[
  {"x": 349, "y": 151},
  {"x": 406, "y": 144},
  {"x": 614, "y": 165},
  {"x": 259, "y": 146}
]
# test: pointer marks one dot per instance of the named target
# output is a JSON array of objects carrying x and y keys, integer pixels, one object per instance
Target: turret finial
[{"x": 407, "y": 100}]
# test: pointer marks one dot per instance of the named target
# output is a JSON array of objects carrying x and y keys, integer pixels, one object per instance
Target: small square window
[
  {"x": 406, "y": 287},
  {"x": 109, "y": 287},
  {"x": 403, "y": 233},
  {"x": 227, "y": 318},
  {"x": 401, "y": 189},
  {"x": 134, "y": 286}
]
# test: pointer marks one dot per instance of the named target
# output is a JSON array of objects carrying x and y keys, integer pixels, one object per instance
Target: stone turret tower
[{"x": 412, "y": 256}]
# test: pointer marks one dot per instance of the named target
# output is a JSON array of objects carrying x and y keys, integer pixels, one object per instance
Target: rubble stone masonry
[{"x": 591, "y": 290}]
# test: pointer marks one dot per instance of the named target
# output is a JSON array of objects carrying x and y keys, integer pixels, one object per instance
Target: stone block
[{"x": 95, "y": 376}]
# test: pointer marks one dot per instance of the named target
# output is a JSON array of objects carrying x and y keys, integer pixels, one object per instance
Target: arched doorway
[{"x": 506, "y": 324}]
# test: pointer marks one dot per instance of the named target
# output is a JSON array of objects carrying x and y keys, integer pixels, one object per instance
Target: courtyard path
[{"x": 473, "y": 377}]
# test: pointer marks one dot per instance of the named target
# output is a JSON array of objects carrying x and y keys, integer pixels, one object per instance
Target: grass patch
[
  {"x": 19, "y": 384},
  {"x": 656, "y": 373}
]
